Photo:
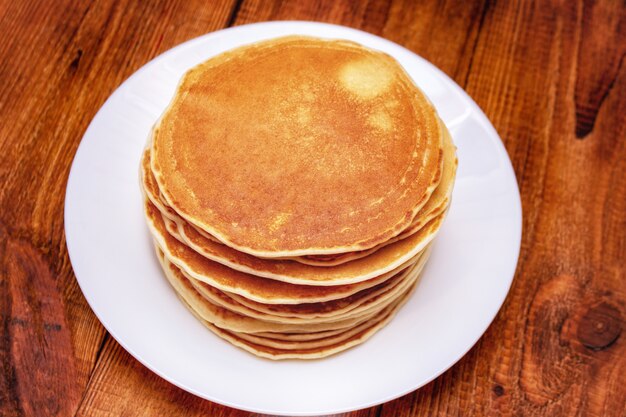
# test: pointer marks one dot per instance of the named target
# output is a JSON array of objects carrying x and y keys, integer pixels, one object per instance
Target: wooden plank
[
  {"x": 122, "y": 386},
  {"x": 59, "y": 64},
  {"x": 554, "y": 349},
  {"x": 39, "y": 293},
  {"x": 550, "y": 76},
  {"x": 343, "y": 12}
]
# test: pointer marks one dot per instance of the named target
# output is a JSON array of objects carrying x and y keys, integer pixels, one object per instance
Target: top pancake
[{"x": 298, "y": 146}]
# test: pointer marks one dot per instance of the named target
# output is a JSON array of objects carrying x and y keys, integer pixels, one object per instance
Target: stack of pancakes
[{"x": 293, "y": 190}]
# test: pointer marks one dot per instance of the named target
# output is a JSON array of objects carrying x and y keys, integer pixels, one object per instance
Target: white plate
[{"x": 463, "y": 286}]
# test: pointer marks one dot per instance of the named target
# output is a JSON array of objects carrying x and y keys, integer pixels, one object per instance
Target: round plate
[{"x": 463, "y": 286}]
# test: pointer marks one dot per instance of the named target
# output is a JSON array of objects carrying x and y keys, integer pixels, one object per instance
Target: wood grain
[{"x": 551, "y": 77}]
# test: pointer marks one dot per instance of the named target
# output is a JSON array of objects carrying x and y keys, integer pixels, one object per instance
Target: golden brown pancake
[
  {"x": 310, "y": 353},
  {"x": 289, "y": 345},
  {"x": 434, "y": 207},
  {"x": 388, "y": 258},
  {"x": 235, "y": 322},
  {"x": 278, "y": 343},
  {"x": 298, "y": 146},
  {"x": 317, "y": 312},
  {"x": 283, "y": 269},
  {"x": 357, "y": 305},
  {"x": 345, "y": 307},
  {"x": 299, "y": 337},
  {"x": 253, "y": 287}
]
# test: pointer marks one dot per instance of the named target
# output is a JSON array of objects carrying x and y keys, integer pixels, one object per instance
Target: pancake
[
  {"x": 357, "y": 305},
  {"x": 434, "y": 207},
  {"x": 273, "y": 342},
  {"x": 284, "y": 269},
  {"x": 234, "y": 322},
  {"x": 317, "y": 343},
  {"x": 381, "y": 262},
  {"x": 349, "y": 306},
  {"x": 252, "y": 287},
  {"x": 317, "y": 312},
  {"x": 311, "y": 353},
  {"x": 298, "y": 146},
  {"x": 298, "y": 336}
]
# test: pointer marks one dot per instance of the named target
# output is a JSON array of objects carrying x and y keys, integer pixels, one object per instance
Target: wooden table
[{"x": 550, "y": 75}]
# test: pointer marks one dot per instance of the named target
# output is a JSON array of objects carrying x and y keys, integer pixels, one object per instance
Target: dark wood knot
[
  {"x": 600, "y": 327},
  {"x": 76, "y": 60}
]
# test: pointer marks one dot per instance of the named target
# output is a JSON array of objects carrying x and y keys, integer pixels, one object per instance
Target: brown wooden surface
[{"x": 549, "y": 74}]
